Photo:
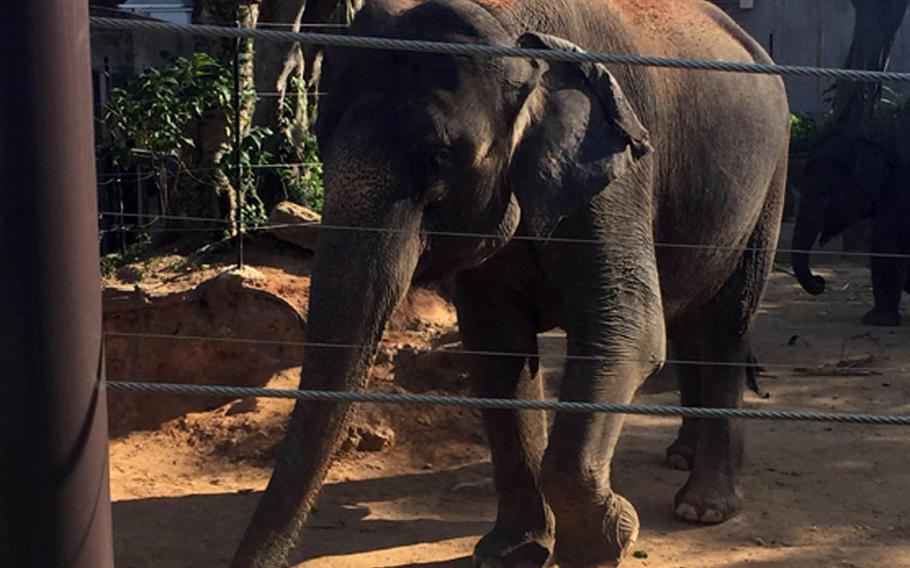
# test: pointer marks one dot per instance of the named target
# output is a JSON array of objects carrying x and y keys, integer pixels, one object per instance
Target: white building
[{"x": 176, "y": 11}]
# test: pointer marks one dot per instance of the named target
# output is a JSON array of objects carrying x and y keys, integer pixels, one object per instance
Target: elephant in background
[
  {"x": 849, "y": 179},
  {"x": 546, "y": 189}
]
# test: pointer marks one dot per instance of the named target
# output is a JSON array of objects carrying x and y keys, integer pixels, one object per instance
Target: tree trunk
[
  {"x": 876, "y": 25},
  {"x": 874, "y": 30},
  {"x": 205, "y": 191},
  {"x": 277, "y": 65}
]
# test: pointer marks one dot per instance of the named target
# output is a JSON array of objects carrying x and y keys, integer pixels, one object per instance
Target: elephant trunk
[
  {"x": 805, "y": 234},
  {"x": 358, "y": 279}
]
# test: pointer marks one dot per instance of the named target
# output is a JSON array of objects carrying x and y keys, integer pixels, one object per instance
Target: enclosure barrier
[
  {"x": 513, "y": 354},
  {"x": 512, "y": 404},
  {"x": 54, "y": 500},
  {"x": 483, "y": 50},
  {"x": 460, "y": 234}
]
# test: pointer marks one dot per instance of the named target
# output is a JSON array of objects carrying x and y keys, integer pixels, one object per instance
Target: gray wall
[{"x": 808, "y": 32}]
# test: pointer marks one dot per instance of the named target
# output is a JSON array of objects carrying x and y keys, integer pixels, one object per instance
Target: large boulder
[
  {"x": 295, "y": 224},
  {"x": 226, "y": 331}
]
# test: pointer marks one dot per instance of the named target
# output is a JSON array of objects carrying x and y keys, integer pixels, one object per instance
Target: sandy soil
[{"x": 816, "y": 494}]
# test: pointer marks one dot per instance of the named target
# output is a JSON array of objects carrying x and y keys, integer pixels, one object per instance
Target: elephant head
[
  {"x": 418, "y": 150},
  {"x": 842, "y": 183}
]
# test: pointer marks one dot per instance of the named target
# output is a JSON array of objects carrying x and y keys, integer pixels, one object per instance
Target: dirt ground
[{"x": 815, "y": 494}]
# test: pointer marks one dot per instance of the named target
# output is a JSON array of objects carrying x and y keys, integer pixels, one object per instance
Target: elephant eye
[
  {"x": 433, "y": 164},
  {"x": 440, "y": 159}
]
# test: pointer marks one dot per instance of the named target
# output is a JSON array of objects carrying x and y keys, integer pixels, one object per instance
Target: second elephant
[{"x": 849, "y": 179}]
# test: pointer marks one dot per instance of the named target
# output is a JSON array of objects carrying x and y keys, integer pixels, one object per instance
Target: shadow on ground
[{"x": 202, "y": 530}]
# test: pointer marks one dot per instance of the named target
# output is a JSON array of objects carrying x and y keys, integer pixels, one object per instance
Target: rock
[
  {"x": 297, "y": 224},
  {"x": 369, "y": 438},
  {"x": 422, "y": 310},
  {"x": 369, "y": 432},
  {"x": 442, "y": 368},
  {"x": 376, "y": 440},
  {"x": 243, "y": 406}
]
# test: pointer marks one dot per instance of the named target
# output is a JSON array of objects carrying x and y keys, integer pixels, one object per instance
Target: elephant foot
[
  {"x": 513, "y": 549},
  {"x": 882, "y": 318},
  {"x": 681, "y": 454},
  {"x": 708, "y": 502},
  {"x": 597, "y": 542}
]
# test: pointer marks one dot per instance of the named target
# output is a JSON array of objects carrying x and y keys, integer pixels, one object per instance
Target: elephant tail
[{"x": 752, "y": 370}]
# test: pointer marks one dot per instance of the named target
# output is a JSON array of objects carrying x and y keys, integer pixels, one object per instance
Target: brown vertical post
[{"x": 54, "y": 496}]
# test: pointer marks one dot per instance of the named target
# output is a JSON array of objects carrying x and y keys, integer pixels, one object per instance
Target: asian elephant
[
  {"x": 851, "y": 178},
  {"x": 626, "y": 205}
]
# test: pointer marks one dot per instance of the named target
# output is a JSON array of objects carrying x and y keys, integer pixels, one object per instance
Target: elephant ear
[{"x": 576, "y": 134}]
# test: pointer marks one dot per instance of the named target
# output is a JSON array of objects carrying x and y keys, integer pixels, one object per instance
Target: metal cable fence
[
  {"x": 508, "y": 354},
  {"x": 486, "y": 50},
  {"x": 512, "y": 404},
  {"x": 483, "y": 50},
  {"x": 269, "y": 226}
]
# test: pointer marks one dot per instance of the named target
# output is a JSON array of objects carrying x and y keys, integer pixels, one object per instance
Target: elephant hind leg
[
  {"x": 718, "y": 333},
  {"x": 681, "y": 453},
  {"x": 711, "y": 494},
  {"x": 890, "y": 277}
]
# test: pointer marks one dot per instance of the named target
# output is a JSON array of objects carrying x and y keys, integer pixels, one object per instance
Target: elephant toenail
[
  {"x": 687, "y": 512},
  {"x": 712, "y": 516}
]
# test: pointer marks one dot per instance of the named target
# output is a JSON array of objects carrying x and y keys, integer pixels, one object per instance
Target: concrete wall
[{"x": 808, "y": 32}]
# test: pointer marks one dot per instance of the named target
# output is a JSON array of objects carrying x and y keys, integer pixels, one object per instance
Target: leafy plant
[
  {"x": 803, "y": 126},
  {"x": 252, "y": 157},
  {"x": 893, "y": 104},
  {"x": 153, "y": 110},
  {"x": 303, "y": 184}
]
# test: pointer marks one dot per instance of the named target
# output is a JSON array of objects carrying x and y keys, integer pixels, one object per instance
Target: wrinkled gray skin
[
  {"x": 601, "y": 166},
  {"x": 847, "y": 180}
]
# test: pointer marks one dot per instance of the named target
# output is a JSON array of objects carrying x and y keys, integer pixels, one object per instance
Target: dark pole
[{"x": 54, "y": 496}]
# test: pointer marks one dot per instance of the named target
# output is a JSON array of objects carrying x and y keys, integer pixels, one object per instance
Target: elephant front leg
[
  {"x": 493, "y": 318},
  {"x": 612, "y": 312},
  {"x": 595, "y": 526},
  {"x": 611, "y": 351},
  {"x": 889, "y": 277}
]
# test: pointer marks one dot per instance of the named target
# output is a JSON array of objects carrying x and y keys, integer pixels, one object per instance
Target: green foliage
[
  {"x": 804, "y": 127},
  {"x": 110, "y": 263},
  {"x": 304, "y": 184},
  {"x": 156, "y": 112},
  {"x": 252, "y": 156},
  {"x": 892, "y": 104},
  {"x": 154, "y": 109}
]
